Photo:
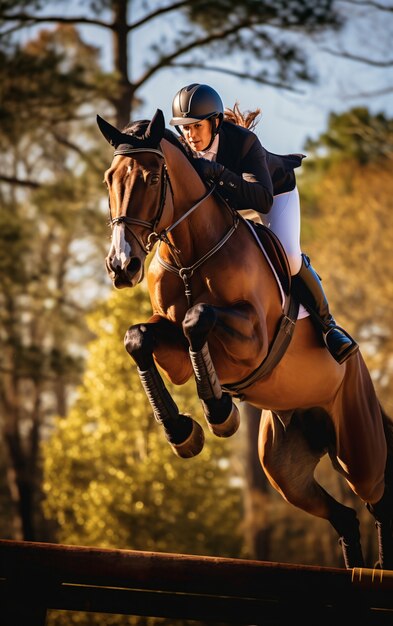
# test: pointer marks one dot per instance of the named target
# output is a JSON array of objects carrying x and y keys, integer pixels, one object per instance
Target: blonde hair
[{"x": 247, "y": 119}]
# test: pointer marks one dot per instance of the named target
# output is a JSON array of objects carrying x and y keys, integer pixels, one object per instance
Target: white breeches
[{"x": 284, "y": 220}]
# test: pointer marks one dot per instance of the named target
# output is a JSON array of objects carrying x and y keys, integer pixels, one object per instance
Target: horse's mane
[{"x": 138, "y": 128}]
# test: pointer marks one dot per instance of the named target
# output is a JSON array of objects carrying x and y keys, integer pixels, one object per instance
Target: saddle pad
[{"x": 276, "y": 253}]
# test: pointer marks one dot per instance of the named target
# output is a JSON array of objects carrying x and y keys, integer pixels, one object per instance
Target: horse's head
[{"x": 137, "y": 185}]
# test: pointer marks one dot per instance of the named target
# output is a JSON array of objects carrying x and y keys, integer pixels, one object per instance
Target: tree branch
[
  {"x": 197, "y": 43},
  {"x": 369, "y": 3},
  {"x": 12, "y": 180},
  {"x": 358, "y": 58},
  {"x": 371, "y": 94},
  {"x": 154, "y": 14},
  {"x": 73, "y": 146},
  {"x": 222, "y": 70},
  {"x": 25, "y": 17}
]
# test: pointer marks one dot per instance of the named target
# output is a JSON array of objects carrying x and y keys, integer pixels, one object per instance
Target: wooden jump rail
[{"x": 35, "y": 577}]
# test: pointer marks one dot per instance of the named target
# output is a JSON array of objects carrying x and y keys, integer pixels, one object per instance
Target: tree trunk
[
  {"x": 22, "y": 489},
  {"x": 22, "y": 449},
  {"x": 123, "y": 99}
]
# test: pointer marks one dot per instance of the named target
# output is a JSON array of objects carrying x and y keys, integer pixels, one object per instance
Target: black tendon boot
[{"x": 308, "y": 289}]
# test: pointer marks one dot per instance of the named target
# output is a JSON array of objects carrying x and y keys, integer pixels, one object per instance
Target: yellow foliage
[{"x": 348, "y": 234}]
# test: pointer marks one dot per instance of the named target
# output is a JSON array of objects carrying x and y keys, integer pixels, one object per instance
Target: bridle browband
[{"x": 184, "y": 273}]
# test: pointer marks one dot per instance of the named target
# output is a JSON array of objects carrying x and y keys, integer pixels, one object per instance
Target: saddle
[{"x": 276, "y": 253}]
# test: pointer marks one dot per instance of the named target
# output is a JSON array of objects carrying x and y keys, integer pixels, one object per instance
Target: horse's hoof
[
  {"x": 193, "y": 444},
  {"x": 229, "y": 426}
]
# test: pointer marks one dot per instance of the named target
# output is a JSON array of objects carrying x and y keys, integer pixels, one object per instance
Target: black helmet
[{"x": 194, "y": 103}]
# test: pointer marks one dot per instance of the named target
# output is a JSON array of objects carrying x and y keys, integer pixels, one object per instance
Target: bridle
[
  {"x": 184, "y": 273},
  {"x": 152, "y": 225}
]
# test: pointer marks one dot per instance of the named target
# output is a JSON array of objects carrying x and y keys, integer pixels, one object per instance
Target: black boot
[{"x": 308, "y": 289}]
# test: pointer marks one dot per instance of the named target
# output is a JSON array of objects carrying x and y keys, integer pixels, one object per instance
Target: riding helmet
[{"x": 194, "y": 103}]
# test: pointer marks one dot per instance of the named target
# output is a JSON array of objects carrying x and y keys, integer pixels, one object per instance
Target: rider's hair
[{"x": 247, "y": 119}]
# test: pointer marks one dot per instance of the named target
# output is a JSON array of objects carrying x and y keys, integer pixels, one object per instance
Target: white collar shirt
[{"x": 211, "y": 153}]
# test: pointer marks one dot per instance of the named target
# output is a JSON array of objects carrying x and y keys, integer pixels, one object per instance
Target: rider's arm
[{"x": 252, "y": 189}]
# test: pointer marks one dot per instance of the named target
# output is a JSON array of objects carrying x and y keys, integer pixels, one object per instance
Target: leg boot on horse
[
  {"x": 222, "y": 415},
  {"x": 182, "y": 432},
  {"x": 308, "y": 289}
]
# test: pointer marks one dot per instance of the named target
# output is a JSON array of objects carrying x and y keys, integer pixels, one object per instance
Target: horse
[{"x": 217, "y": 310}]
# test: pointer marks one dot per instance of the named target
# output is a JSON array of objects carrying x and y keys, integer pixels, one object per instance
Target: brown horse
[{"x": 216, "y": 308}]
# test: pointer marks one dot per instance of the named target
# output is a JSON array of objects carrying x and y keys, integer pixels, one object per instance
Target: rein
[{"x": 185, "y": 273}]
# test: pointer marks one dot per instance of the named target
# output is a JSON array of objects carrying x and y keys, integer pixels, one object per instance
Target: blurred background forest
[{"x": 81, "y": 459}]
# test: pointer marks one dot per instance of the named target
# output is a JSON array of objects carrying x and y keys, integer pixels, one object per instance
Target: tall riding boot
[{"x": 308, "y": 289}]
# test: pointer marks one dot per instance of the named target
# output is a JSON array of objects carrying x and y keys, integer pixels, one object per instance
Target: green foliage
[
  {"x": 50, "y": 230},
  {"x": 46, "y": 80},
  {"x": 264, "y": 36},
  {"x": 347, "y": 197},
  {"x": 111, "y": 478},
  {"x": 307, "y": 14},
  {"x": 356, "y": 134}
]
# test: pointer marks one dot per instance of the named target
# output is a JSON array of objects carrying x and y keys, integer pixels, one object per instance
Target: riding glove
[
  {"x": 208, "y": 170},
  {"x": 242, "y": 192}
]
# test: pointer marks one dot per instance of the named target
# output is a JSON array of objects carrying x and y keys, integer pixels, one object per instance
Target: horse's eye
[{"x": 154, "y": 179}]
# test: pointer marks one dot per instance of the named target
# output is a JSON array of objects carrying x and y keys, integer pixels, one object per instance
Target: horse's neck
[{"x": 207, "y": 223}]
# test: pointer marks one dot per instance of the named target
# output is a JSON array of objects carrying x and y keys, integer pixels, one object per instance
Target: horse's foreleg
[
  {"x": 183, "y": 433},
  {"x": 221, "y": 414}
]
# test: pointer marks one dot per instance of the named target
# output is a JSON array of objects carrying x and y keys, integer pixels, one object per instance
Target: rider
[{"x": 250, "y": 177}]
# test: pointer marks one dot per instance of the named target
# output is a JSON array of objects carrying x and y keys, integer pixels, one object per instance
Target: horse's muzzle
[{"x": 128, "y": 276}]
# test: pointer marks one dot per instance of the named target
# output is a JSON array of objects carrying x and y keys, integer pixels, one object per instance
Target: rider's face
[{"x": 198, "y": 135}]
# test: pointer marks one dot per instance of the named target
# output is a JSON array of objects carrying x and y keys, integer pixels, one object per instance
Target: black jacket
[{"x": 252, "y": 175}]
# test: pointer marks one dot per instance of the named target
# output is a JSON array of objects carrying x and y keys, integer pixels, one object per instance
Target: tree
[
  {"x": 376, "y": 20},
  {"x": 46, "y": 120},
  {"x": 49, "y": 228},
  {"x": 51, "y": 86},
  {"x": 264, "y": 33},
  {"x": 347, "y": 191},
  {"x": 356, "y": 135}
]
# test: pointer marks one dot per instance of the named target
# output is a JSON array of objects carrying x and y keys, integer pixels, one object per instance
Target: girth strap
[{"x": 286, "y": 327}]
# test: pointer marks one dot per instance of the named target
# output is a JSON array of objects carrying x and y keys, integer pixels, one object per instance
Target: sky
[{"x": 288, "y": 118}]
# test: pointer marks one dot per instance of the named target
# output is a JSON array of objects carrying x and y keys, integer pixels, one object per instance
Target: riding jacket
[{"x": 252, "y": 174}]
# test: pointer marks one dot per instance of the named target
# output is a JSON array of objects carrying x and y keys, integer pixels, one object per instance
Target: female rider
[{"x": 250, "y": 177}]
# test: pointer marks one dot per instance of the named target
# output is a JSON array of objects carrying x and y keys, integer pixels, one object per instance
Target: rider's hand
[{"x": 208, "y": 170}]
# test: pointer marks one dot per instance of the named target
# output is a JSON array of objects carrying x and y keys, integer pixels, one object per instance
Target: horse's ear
[
  {"x": 155, "y": 131},
  {"x": 111, "y": 133}
]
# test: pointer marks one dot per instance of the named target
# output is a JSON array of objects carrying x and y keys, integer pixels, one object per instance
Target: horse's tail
[{"x": 388, "y": 428}]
